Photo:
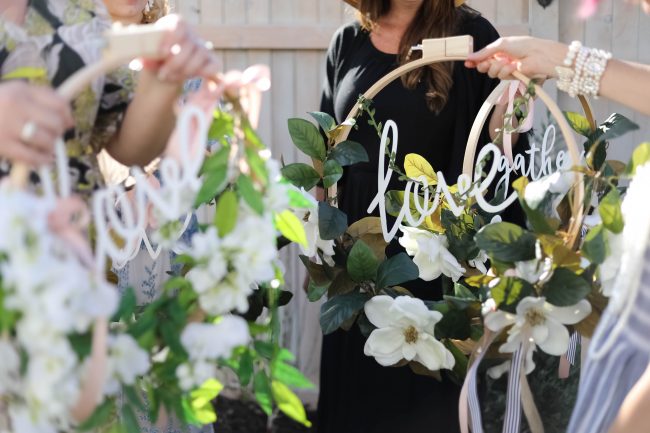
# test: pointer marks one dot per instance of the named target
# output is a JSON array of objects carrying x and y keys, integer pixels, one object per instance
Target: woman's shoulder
[
  {"x": 345, "y": 35},
  {"x": 476, "y": 25}
]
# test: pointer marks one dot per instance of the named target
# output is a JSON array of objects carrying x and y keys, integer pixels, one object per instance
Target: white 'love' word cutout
[
  {"x": 550, "y": 162},
  {"x": 121, "y": 224}
]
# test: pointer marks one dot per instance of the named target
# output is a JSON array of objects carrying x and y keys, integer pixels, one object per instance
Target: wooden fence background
[{"x": 291, "y": 36}]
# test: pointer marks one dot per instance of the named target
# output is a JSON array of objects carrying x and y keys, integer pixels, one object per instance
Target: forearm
[
  {"x": 627, "y": 83},
  {"x": 148, "y": 122},
  {"x": 634, "y": 415}
]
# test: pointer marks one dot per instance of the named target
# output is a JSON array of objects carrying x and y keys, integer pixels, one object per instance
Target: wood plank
[
  {"x": 512, "y": 11},
  {"x": 571, "y": 29},
  {"x": 211, "y": 12},
  {"x": 291, "y": 37},
  {"x": 189, "y": 10},
  {"x": 598, "y": 34},
  {"x": 545, "y": 23},
  {"x": 643, "y": 56}
]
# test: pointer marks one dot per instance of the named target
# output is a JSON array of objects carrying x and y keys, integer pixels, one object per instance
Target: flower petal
[
  {"x": 557, "y": 341},
  {"x": 378, "y": 311},
  {"x": 385, "y": 345},
  {"x": 540, "y": 333},
  {"x": 497, "y": 320},
  {"x": 433, "y": 354},
  {"x": 569, "y": 315},
  {"x": 514, "y": 341},
  {"x": 412, "y": 309},
  {"x": 409, "y": 351},
  {"x": 529, "y": 302}
]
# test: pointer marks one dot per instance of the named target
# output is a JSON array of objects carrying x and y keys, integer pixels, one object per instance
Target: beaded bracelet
[{"x": 582, "y": 70}]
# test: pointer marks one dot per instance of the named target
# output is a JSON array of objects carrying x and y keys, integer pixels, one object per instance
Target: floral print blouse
[{"x": 58, "y": 38}]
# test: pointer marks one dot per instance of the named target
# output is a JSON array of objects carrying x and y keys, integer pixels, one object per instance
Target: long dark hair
[{"x": 434, "y": 19}]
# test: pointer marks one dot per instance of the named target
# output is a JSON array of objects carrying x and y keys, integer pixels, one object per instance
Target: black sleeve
[{"x": 331, "y": 67}]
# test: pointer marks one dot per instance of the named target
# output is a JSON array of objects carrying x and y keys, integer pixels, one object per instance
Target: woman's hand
[
  {"x": 535, "y": 58},
  {"x": 183, "y": 54},
  {"x": 32, "y": 118}
]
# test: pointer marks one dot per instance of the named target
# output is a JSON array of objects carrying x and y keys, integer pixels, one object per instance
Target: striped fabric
[
  {"x": 512, "y": 420},
  {"x": 608, "y": 379},
  {"x": 573, "y": 348}
]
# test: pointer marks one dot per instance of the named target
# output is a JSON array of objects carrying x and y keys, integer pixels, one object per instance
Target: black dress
[{"x": 357, "y": 394}]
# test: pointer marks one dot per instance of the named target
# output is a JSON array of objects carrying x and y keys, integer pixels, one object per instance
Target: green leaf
[
  {"x": 208, "y": 391},
  {"x": 610, "y": 211},
  {"x": 578, "y": 123},
  {"x": 325, "y": 121},
  {"x": 455, "y": 325},
  {"x": 397, "y": 270},
  {"x": 338, "y": 309},
  {"x": 332, "y": 222},
  {"x": 213, "y": 183},
  {"x": 616, "y": 126},
  {"x": 223, "y": 125},
  {"x": 264, "y": 349},
  {"x": 250, "y": 195},
  {"x": 460, "y": 233},
  {"x": 594, "y": 247},
  {"x": 298, "y": 201},
  {"x": 258, "y": 166},
  {"x": 508, "y": 291},
  {"x": 506, "y": 242},
  {"x": 291, "y": 227},
  {"x": 289, "y": 403},
  {"x": 332, "y": 173},
  {"x": 129, "y": 420},
  {"x": 262, "y": 389},
  {"x": 461, "y": 364},
  {"x": 640, "y": 157},
  {"x": 343, "y": 283},
  {"x": 315, "y": 292},
  {"x": 290, "y": 376},
  {"x": 362, "y": 264},
  {"x": 125, "y": 311},
  {"x": 307, "y": 138},
  {"x": 225, "y": 218},
  {"x": 301, "y": 175},
  {"x": 317, "y": 273},
  {"x": 100, "y": 416},
  {"x": 348, "y": 153},
  {"x": 245, "y": 372},
  {"x": 565, "y": 288}
]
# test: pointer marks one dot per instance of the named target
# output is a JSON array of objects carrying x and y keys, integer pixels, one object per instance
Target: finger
[
  {"x": 42, "y": 141},
  {"x": 173, "y": 66},
  {"x": 495, "y": 68},
  {"x": 19, "y": 152},
  {"x": 196, "y": 63},
  {"x": 506, "y": 72},
  {"x": 48, "y": 99},
  {"x": 484, "y": 66},
  {"x": 470, "y": 65},
  {"x": 176, "y": 30},
  {"x": 489, "y": 51},
  {"x": 48, "y": 120}
]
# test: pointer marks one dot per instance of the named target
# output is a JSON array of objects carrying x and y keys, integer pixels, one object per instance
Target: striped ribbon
[
  {"x": 569, "y": 358},
  {"x": 512, "y": 420}
]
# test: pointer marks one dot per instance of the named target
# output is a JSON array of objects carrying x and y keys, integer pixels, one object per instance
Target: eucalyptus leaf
[
  {"x": 348, "y": 153},
  {"x": 307, "y": 138},
  {"x": 301, "y": 175},
  {"x": 340, "y": 308},
  {"x": 396, "y": 270},
  {"x": 362, "y": 264},
  {"x": 332, "y": 222}
]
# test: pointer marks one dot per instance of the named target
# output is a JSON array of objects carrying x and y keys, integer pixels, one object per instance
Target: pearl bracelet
[{"x": 582, "y": 70}]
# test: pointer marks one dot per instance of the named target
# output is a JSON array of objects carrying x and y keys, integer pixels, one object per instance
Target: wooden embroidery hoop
[
  {"x": 457, "y": 49},
  {"x": 123, "y": 45}
]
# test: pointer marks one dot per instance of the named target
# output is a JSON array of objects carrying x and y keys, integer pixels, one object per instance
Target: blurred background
[{"x": 291, "y": 36}]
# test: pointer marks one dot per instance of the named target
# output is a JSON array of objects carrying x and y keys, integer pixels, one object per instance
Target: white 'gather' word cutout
[{"x": 466, "y": 188}]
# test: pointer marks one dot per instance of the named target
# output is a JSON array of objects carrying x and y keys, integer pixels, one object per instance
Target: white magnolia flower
[
  {"x": 541, "y": 323},
  {"x": 430, "y": 254},
  {"x": 558, "y": 184},
  {"x": 206, "y": 341},
  {"x": 309, "y": 217},
  {"x": 405, "y": 331},
  {"x": 479, "y": 262},
  {"x": 126, "y": 361}
]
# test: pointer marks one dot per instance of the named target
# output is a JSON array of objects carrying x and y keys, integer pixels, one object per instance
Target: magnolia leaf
[
  {"x": 610, "y": 211},
  {"x": 332, "y": 222},
  {"x": 594, "y": 247},
  {"x": 455, "y": 325},
  {"x": 506, "y": 242},
  {"x": 342, "y": 284},
  {"x": 348, "y": 153},
  {"x": 325, "y": 121},
  {"x": 396, "y": 270},
  {"x": 291, "y": 227},
  {"x": 263, "y": 393},
  {"x": 578, "y": 123},
  {"x": 364, "y": 226},
  {"x": 307, "y": 138},
  {"x": 416, "y": 166},
  {"x": 317, "y": 273},
  {"x": 562, "y": 255},
  {"x": 362, "y": 263},
  {"x": 251, "y": 196},
  {"x": 460, "y": 234},
  {"x": 314, "y": 292},
  {"x": 479, "y": 281},
  {"x": 616, "y": 126},
  {"x": 339, "y": 309},
  {"x": 565, "y": 288},
  {"x": 289, "y": 403},
  {"x": 461, "y": 360},
  {"x": 508, "y": 291},
  {"x": 301, "y": 175},
  {"x": 225, "y": 217},
  {"x": 332, "y": 172},
  {"x": 640, "y": 157}
]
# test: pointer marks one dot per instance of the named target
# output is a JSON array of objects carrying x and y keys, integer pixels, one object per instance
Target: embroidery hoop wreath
[
  {"x": 457, "y": 49},
  {"x": 122, "y": 47}
]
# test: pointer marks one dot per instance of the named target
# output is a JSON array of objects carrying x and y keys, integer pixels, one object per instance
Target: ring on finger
[{"x": 28, "y": 132}]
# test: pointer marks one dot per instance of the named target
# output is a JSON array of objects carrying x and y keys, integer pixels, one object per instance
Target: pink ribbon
[
  {"x": 508, "y": 98},
  {"x": 247, "y": 86},
  {"x": 587, "y": 8},
  {"x": 68, "y": 221}
]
